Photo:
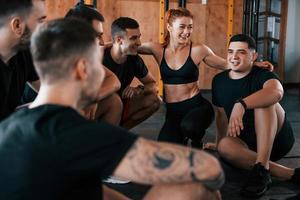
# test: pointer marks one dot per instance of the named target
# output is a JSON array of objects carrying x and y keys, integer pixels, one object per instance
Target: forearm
[
  {"x": 216, "y": 62},
  {"x": 109, "y": 87},
  {"x": 263, "y": 98},
  {"x": 151, "y": 162},
  {"x": 150, "y": 88}
]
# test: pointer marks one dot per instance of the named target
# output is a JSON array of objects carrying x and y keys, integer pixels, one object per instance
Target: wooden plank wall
[{"x": 210, "y": 24}]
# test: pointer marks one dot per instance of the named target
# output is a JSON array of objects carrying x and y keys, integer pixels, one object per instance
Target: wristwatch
[{"x": 241, "y": 101}]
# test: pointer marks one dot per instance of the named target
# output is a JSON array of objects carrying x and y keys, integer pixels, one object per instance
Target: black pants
[{"x": 187, "y": 119}]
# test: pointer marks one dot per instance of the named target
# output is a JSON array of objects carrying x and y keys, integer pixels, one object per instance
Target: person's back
[{"x": 41, "y": 153}]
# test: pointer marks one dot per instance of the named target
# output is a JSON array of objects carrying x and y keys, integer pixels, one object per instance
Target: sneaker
[
  {"x": 296, "y": 177},
  {"x": 258, "y": 182},
  {"x": 115, "y": 180}
]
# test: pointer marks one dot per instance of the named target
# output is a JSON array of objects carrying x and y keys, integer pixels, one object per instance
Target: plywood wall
[{"x": 210, "y": 23}]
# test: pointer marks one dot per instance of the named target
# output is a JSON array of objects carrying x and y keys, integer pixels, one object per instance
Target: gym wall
[{"x": 210, "y": 23}]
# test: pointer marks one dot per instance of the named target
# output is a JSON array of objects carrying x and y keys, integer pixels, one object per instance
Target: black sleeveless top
[{"x": 187, "y": 73}]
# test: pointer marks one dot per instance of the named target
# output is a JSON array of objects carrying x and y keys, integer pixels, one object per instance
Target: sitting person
[
  {"x": 109, "y": 106},
  {"x": 18, "y": 19},
  {"x": 253, "y": 129},
  {"x": 142, "y": 101},
  {"x": 50, "y": 151}
]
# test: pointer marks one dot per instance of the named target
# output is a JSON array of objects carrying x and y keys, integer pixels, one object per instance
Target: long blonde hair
[{"x": 170, "y": 17}]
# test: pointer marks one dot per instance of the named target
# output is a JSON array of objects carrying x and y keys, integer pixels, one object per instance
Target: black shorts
[{"x": 283, "y": 142}]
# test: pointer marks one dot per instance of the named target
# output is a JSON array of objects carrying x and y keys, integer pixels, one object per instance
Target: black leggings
[{"x": 187, "y": 119}]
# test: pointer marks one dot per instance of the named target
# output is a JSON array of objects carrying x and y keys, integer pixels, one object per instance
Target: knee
[
  {"x": 116, "y": 102},
  {"x": 153, "y": 101},
  {"x": 199, "y": 191},
  {"x": 224, "y": 148},
  {"x": 194, "y": 124},
  {"x": 265, "y": 110},
  {"x": 190, "y": 128}
]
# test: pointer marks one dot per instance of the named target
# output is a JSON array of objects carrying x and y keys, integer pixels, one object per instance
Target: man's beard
[
  {"x": 24, "y": 42},
  {"x": 87, "y": 99}
]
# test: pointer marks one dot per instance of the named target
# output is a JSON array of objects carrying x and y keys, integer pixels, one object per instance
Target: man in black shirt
[
  {"x": 50, "y": 151},
  {"x": 142, "y": 101},
  {"x": 18, "y": 18},
  {"x": 253, "y": 131}
]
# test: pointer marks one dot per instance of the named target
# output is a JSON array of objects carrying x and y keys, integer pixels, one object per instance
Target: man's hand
[
  {"x": 90, "y": 111},
  {"x": 236, "y": 120},
  {"x": 265, "y": 65},
  {"x": 130, "y": 92}
]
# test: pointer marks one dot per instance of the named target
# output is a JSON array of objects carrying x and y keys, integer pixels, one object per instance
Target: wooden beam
[
  {"x": 161, "y": 35},
  {"x": 230, "y": 20}
]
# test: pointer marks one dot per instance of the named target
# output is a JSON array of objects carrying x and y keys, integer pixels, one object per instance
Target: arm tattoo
[
  {"x": 152, "y": 162},
  {"x": 163, "y": 160}
]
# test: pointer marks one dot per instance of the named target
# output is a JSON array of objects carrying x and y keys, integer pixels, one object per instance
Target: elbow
[
  {"x": 278, "y": 94},
  {"x": 118, "y": 85},
  {"x": 218, "y": 177},
  {"x": 215, "y": 177}
]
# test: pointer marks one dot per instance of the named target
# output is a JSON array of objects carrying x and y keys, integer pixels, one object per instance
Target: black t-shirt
[
  {"x": 226, "y": 91},
  {"x": 13, "y": 77},
  {"x": 51, "y": 152},
  {"x": 133, "y": 67}
]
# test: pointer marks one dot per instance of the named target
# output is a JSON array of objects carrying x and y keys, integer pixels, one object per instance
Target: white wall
[{"x": 292, "y": 52}]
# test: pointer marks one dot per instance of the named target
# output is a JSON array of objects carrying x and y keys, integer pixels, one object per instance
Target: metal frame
[
  {"x": 251, "y": 16},
  {"x": 182, "y": 3},
  {"x": 89, "y": 2}
]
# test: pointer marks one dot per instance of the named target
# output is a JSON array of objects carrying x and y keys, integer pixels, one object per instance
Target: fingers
[
  {"x": 234, "y": 128},
  {"x": 210, "y": 146},
  {"x": 128, "y": 93}
]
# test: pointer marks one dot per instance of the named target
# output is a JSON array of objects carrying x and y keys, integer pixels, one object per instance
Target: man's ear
[
  {"x": 118, "y": 39},
  {"x": 80, "y": 70},
  {"x": 254, "y": 56},
  {"x": 17, "y": 26}
]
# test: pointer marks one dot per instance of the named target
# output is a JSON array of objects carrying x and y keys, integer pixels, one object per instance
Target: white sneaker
[{"x": 115, "y": 180}]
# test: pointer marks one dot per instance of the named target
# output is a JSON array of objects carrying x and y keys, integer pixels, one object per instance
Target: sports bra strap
[{"x": 190, "y": 49}]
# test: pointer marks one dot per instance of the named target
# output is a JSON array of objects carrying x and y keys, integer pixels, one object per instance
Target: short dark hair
[
  {"x": 244, "y": 38},
  {"x": 11, "y": 7},
  {"x": 86, "y": 12},
  {"x": 121, "y": 24},
  {"x": 57, "y": 45}
]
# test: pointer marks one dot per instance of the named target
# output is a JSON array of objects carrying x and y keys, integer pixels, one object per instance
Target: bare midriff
[{"x": 180, "y": 92}]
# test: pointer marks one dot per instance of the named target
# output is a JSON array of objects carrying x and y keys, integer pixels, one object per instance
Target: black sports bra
[{"x": 187, "y": 73}]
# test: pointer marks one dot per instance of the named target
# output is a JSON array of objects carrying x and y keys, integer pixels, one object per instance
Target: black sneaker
[
  {"x": 258, "y": 182},
  {"x": 296, "y": 177}
]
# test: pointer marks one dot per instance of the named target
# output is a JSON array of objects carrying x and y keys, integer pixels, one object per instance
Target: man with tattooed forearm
[
  {"x": 59, "y": 154},
  {"x": 178, "y": 172}
]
